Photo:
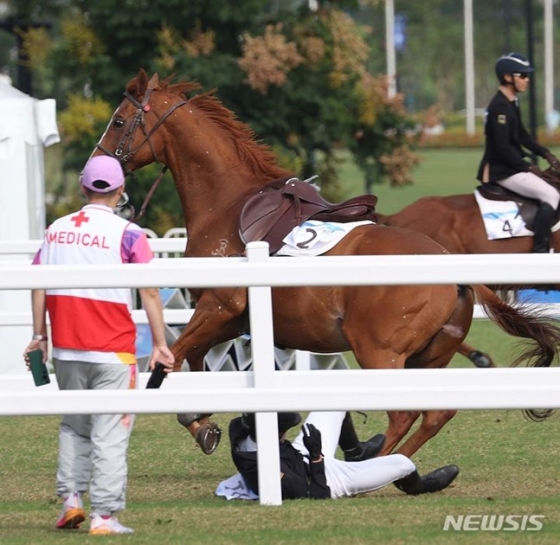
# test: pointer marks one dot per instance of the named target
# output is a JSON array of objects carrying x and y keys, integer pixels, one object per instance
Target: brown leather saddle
[
  {"x": 527, "y": 207},
  {"x": 284, "y": 204}
]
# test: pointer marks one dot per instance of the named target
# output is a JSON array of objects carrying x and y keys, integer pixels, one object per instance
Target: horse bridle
[{"x": 128, "y": 138}]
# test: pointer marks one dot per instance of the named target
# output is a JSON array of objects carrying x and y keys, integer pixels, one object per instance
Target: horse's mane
[{"x": 257, "y": 155}]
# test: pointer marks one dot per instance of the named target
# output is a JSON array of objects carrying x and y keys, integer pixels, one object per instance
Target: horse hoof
[
  {"x": 480, "y": 360},
  {"x": 208, "y": 437}
]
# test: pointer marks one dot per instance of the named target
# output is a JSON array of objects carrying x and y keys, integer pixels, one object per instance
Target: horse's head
[
  {"x": 213, "y": 157},
  {"x": 132, "y": 135},
  {"x": 151, "y": 125}
]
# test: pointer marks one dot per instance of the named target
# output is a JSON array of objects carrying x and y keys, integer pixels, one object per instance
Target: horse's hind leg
[
  {"x": 437, "y": 354},
  {"x": 400, "y": 423},
  {"x": 480, "y": 359},
  {"x": 432, "y": 422}
]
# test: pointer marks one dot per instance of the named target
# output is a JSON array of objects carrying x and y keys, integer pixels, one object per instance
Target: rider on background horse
[{"x": 503, "y": 161}]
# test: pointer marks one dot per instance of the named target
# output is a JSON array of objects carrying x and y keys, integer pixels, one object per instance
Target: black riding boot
[
  {"x": 354, "y": 449},
  {"x": 544, "y": 220},
  {"x": 435, "y": 481}
]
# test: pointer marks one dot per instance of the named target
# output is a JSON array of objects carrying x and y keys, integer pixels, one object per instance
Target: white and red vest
[{"x": 91, "y": 324}]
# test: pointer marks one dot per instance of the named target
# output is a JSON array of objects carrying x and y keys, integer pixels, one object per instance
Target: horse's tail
[{"x": 543, "y": 337}]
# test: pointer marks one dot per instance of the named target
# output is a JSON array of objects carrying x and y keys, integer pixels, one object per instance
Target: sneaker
[
  {"x": 100, "y": 526},
  {"x": 72, "y": 514}
]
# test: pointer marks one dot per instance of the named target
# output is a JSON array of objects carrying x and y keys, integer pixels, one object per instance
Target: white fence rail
[
  {"x": 266, "y": 391},
  {"x": 173, "y": 242},
  {"x": 227, "y": 356}
]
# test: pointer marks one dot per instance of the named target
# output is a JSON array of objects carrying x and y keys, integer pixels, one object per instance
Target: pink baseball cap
[{"x": 102, "y": 174}]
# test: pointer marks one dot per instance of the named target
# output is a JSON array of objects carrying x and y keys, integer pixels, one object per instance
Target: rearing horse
[{"x": 217, "y": 165}]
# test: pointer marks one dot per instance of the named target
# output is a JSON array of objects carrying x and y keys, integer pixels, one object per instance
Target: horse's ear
[
  {"x": 154, "y": 81},
  {"x": 139, "y": 89}
]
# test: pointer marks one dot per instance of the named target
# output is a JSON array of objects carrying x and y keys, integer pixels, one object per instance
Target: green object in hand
[{"x": 38, "y": 368}]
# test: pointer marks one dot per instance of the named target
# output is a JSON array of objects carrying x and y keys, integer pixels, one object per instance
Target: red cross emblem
[{"x": 79, "y": 219}]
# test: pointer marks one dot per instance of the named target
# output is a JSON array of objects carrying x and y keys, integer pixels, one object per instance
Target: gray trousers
[{"x": 93, "y": 448}]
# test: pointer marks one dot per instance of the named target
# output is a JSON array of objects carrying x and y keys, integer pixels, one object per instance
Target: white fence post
[{"x": 262, "y": 347}]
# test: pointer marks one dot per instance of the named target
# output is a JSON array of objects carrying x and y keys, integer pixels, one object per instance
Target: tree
[
  {"x": 298, "y": 77},
  {"x": 297, "y": 82}
]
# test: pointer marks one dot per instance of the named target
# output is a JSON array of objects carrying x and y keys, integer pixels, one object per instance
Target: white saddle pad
[
  {"x": 501, "y": 218},
  {"x": 314, "y": 237}
]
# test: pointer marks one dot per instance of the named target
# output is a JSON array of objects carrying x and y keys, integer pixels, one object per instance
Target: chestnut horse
[
  {"x": 456, "y": 223},
  {"x": 217, "y": 165}
]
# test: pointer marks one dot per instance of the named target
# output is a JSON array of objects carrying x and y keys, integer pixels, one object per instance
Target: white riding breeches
[
  {"x": 351, "y": 478},
  {"x": 530, "y": 185}
]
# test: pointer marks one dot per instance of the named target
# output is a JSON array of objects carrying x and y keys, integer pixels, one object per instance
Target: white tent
[{"x": 27, "y": 126}]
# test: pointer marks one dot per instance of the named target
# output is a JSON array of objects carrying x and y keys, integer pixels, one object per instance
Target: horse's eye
[{"x": 119, "y": 123}]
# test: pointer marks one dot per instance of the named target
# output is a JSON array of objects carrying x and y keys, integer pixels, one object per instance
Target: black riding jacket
[
  {"x": 505, "y": 136},
  {"x": 298, "y": 478}
]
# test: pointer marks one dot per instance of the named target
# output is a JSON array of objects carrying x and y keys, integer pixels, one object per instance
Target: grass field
[
  {"x": 508, "y": 466},
  {"x": 441, "y": 172}
]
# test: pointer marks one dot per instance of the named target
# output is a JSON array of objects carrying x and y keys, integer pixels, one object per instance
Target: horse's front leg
[
  {"x": 211, "y": 324},
  {"x": 219, "y": 316}
]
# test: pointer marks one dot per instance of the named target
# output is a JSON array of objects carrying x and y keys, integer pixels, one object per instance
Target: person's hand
[
  {"x": 162, "y": 354},
  {"x": 312, "y": 441},
  {"x": 534, "y": 169},
  {"x": 553, "y": 161},
  {"x": 35, "y": 345}
]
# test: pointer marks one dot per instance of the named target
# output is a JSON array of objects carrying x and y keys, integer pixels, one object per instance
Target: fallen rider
[{"x": 309, "y": 468}]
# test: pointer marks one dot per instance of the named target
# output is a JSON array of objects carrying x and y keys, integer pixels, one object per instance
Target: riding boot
[
  {"x": 354, "y": 449},
  {"x": 435, "y": 481},
  {"x": 544, "y": 220}
]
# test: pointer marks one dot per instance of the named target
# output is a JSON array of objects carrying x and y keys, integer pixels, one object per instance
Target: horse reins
[{"x": 128, "y": 138}]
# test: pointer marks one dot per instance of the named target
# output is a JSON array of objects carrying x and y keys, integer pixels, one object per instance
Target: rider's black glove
[
  {"x": 312, "y": 441},
  {"x": 536, "y": 171}
]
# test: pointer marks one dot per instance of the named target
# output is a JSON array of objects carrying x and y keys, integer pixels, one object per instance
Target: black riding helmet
[
  {"x": 512, "y": 63},
  {"x": 285, "y": 422}
]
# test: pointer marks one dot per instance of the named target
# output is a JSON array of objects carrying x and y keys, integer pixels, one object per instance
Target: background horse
[
  {"x": 456, "y": 223},
  {"x": 217, "y": 165}
]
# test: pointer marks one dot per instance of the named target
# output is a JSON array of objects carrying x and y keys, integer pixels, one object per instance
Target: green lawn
[
  {"x": 508, "y": 467},
  {"x": 441, "y": 172}
]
